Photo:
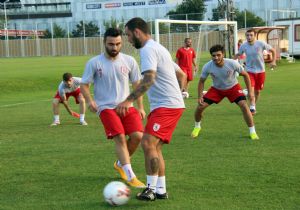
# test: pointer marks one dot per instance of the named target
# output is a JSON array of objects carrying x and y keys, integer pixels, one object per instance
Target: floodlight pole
[{"x": 6, "y": 30}]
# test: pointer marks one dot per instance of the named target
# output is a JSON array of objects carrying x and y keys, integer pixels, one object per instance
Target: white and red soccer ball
[{"x": 116, "y": 193}]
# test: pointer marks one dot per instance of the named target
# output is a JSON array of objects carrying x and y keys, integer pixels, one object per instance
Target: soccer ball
[
  {"x": 185, "y": 95},
  {"x": 116, "y": 193}
]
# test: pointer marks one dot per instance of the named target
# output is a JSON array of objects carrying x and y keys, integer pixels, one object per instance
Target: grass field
[{"x": 67, "y": 167}]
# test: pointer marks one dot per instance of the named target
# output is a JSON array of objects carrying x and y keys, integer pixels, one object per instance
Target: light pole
[{"x": 6, "y": 30}]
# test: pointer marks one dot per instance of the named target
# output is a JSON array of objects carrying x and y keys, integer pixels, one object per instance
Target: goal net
[{"x": 204, "y": 34}]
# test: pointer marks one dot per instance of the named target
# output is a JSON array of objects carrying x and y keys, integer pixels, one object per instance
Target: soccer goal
[{"x": 204, "y": 34}]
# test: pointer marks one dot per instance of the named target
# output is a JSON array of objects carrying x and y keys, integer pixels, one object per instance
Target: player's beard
[
  {"x": 136, "y": 42},
  {"x": 111, "y": 53}
]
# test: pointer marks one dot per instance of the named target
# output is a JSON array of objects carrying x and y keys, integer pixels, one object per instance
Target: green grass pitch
[{"x": 67, "y": 167}]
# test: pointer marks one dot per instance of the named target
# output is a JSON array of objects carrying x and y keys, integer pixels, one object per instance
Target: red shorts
[
  {"x": 162, "y": 122},
  {"x": 115, "y": 125},
  {"x": 215, "y": 95},
  {"x": 189, "y": 74},
  {"x": 257, "y": 80},
  {"x": 75, "y": 94}
]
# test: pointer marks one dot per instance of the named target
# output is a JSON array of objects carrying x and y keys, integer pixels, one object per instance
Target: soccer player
[
  {"x": 255, "y": 65},
  {"x": 160, "y": 77},
  {"x": 70, "y": 86},
  {"x": 111, "y": 73},
  {"x": 185, "y": 58},
  {"x": 225, "y": 84}
]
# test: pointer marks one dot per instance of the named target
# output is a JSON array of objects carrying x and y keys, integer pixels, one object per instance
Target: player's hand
[
  {"x": 123, "y": 108},
  {"x": 75, "y": 114},
  {"x": 272, "y": 65},
  {"x": 92, "y": 106},
  {"x": 142, "y": 113},
  {"x": 200, "y": 101}
]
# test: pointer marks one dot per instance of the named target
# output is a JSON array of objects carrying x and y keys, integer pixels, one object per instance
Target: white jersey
[
  {"x": 254, "y": 55},
  {"x": 63, "y": 89},
  {"x": 111, "y": 79},
  {"x": 223, "y": 77},
  {"x": 165, "y": 92}
]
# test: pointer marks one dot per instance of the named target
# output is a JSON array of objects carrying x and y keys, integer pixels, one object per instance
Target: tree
[
  {"x": 251, "y": 19},
  {"x": 58, "y": 32},
  {"x": 88, "y": 30},
  {"x": 188, "y": 9}
]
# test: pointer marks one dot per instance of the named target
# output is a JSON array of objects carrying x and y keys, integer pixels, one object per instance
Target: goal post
[{"x": 194, "y": 22}]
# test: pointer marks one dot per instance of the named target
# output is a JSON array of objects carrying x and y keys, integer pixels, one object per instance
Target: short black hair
[
  {"x": 67, "y": 76},
  {"x": 138, "y": 23},
  {"x": 113, "y": 32},
  {"x": 216, "y": 48},
  {"x": 251, "y": 30}
]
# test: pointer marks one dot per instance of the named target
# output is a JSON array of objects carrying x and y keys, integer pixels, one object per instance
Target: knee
[
  {"x": 81, "y": 99},
  {"x": 55, "y": 102}
]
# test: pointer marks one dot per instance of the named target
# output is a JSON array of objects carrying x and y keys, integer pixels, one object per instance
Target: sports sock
[
  {"x": 56, "y": 118},
  {"x": 152, "y": 182},
  {"x": 252, "y": 129},
  {"x": 81, "y": 117},
  {"x": 129, "y": 172},
  {"x": 161, "y": 185},
  {"x": 198, "y": 124},
  {"x": 252, "y": 107}
]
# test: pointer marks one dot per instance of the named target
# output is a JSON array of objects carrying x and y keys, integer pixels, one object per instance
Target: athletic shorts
[
  {"x": 162, "y": 122},
  {"x": 115, "y": 125},
  {"x": 75, "y": 94},
  {"x": 257, "y": 80},
  {"x": 189, "y": 74},
  {"x": 234, "y": 94}
]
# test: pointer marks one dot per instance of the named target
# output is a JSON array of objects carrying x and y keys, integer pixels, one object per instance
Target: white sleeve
[
  {"x": 134, "y": 73},
  {"x": 148, "y": 59},
  {"x": 88, "y": 74},
  {"x": 176, "y": 67},
  {"x": 205, "y": 72},
  {"x": 61, "y": 89}
]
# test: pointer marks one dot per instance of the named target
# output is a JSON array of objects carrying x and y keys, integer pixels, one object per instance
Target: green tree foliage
[
  {"x": 90, "y": 29},
  {"x": 195, "y": 10},
  {"x": 58, "y": 32},
  {"x": 251, "y": 19}
]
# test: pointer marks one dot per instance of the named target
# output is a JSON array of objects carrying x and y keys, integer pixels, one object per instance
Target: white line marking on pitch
[{"x": 17, "y": 104}]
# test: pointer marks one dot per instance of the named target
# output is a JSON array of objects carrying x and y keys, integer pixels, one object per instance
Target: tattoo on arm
[{"x": 148, "y": 80}]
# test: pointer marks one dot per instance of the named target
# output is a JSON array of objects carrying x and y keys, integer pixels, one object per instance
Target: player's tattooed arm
[{"x": 147, "y": 81}]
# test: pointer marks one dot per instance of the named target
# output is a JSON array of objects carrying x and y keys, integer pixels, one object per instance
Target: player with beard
[
  {"x": 225, "y": 84},
  {"x": 160, "y": 78},
  {"x": 185, "y": 58},
  {"x": 111, "y": 73}
]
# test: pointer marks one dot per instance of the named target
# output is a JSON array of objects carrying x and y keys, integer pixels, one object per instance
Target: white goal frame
[{"x": 191, "y": 22}]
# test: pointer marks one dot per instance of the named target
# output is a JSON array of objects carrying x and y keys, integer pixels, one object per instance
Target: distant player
[
  {"x": 70, "y": 86},
  {"x": 160, "y": 77},
  {"x": 185, "y": 58},
  {"x": 225, "y": 84},
  {"x": 111, "y": 73},
  {"x": 255, "y": 65}
]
